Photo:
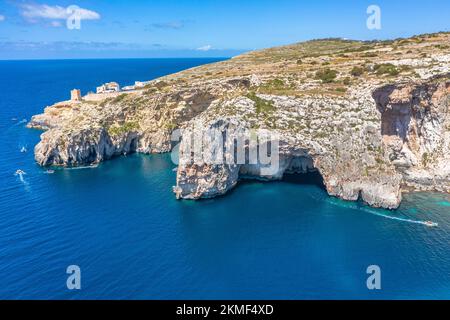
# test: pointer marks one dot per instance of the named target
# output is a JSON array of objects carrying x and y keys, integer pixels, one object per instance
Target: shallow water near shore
[{"x": 121, "y": 224}]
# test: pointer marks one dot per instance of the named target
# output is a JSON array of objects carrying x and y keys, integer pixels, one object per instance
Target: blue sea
[{"x": 120, "y": 222}]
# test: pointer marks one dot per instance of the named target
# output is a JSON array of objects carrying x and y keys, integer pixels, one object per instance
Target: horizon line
[{"x": 71, "y": 59}]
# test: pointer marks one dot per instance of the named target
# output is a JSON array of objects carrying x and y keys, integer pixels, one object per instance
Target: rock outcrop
[
  {"x": 415, "y": 125},
  {"x": 371, "y": 117}
]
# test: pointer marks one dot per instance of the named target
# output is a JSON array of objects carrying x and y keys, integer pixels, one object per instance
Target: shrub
[
  {"x": 119, "y": 98},
  {"x": 357, "y": 71},
  {"x": 386, "y": 68},
  {"x": 277, "y": 83},
  {"x": 261, "y": 105},
  {"x": 150, "y": 91},
  {"x": 161, "y": 84},
  {"x": 171, "y": 126},
  {"x": 370, "y": 55},
  {"x": 125, "y": 128},
  {"x": 425, "y": 159},
  {"x": 105, "y": 102},
  {"x": 326, "y": 75}
]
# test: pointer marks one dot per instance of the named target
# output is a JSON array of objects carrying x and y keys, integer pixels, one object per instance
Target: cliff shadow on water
[{"x": 312, "y": 178}]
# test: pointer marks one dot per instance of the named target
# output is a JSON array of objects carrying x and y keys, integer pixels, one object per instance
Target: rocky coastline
[{"x": 371, "y": 117}]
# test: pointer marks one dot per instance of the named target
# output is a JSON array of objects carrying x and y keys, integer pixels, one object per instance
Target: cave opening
[
  {"x": 133, "y": 145},
  {"x": 301, "y": 170},
  {"x": 298, "y": 170},
  {"x": 312, "y": 178}
]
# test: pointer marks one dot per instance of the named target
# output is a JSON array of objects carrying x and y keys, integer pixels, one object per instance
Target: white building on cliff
[{"x": 108, "y": 87}]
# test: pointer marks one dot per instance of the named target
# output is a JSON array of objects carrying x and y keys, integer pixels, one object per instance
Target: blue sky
[{"x": 167, "y": 28}]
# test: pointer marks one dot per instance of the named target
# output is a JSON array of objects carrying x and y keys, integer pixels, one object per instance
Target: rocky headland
[{"x": 371, "y": 117}]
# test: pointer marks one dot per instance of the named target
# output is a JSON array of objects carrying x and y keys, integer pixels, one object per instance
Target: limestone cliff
[
  {"x": 415, "y": 125},
  {"x": 371, "y": 117}
]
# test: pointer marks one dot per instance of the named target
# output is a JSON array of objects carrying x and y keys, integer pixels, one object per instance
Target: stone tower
[{"x": 75, "y": 95}]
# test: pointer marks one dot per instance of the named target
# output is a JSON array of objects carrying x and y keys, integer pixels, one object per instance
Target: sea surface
[{"x": 120, "y": 222}]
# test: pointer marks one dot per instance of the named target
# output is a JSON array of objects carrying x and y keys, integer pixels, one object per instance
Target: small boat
[
  {"x": 23, "y": 150},
  {"x": 20, "y": 172},
  {"x": 49, "y": 171},
  {"x": 431, "y": 224}
]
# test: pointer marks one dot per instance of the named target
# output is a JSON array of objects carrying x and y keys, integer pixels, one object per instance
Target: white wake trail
[{"x": 376, "y": 213}]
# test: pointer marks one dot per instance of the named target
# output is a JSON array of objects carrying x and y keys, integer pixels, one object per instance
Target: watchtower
[{"x": 75, "y": 95}]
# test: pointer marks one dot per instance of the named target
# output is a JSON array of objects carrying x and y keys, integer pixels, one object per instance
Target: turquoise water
[{"x": 122, "y": 225}]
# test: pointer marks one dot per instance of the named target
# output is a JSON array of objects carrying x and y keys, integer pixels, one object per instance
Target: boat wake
[
  {"x": 425, "y": 223},
  {"x": 20, "y": 174},
  {"x": 376, "y": 212},
  {"x": 83, "y": 167},
  {"x": 18, "y": 123}
]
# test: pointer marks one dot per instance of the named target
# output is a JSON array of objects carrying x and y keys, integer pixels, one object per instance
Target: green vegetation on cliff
[{"x": 117, "y": 130}]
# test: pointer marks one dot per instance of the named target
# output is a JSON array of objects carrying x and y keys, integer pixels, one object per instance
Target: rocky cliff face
[
  {"x": 140, "y": 121},
  {"x": 372, "y": 118},
  {"x": 415, "y": 126},
  {"x": 349, "y": 159}
]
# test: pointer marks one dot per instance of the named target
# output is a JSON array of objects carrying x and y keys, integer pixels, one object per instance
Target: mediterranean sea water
[{"x": 120, "y": 222}]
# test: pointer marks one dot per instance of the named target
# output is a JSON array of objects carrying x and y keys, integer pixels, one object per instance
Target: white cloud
[
  {"x": 33, "y": 12},
  {"x": 2, "y": 18},
  {"x": 205, "y": 48}
]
